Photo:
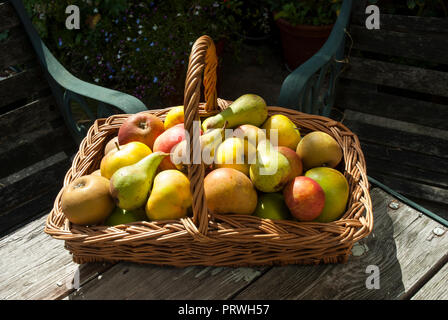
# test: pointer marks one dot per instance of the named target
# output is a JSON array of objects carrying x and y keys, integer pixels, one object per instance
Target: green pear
[
  {"x": 271, "y": 170},
  {"x": 247, "y": 109},
  {"x": 131, "y": 185}
]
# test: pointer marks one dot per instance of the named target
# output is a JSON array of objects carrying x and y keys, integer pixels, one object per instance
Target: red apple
[
  {"x": 305, "y": 198},
  {"x": 167, "y": 141},
  {"x": 294, "y": 161},
  {"x": 142, "y": 127}
]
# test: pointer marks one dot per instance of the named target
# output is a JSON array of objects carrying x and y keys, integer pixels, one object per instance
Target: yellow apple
[{"x": 123, "y": 156}]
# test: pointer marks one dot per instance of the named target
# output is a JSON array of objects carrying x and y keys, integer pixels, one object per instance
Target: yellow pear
[
  {"x": 235, "y": 153},
  {"x": 174, "y": 116},
  {"x": 170, "y": 197},
  {"x": 287, "y": 132}
]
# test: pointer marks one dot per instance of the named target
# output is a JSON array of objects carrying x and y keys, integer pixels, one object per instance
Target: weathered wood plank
[
  {"x": 28, "y": 118},
  {"x": 438, "y": 208},
  {"x": 36, "y": 266},
  {"x": 405, "y": 157},
  {"x": 427, "y": 47},
  {"x": 409, "y": 24},
  {"x": 399, "y": 170},
  {"x": 405, "y": 127},
  {"x": 167, "y": 283},
  {"x": 45, "y": 176},
  {"x": 32, "y": 147},
  {"x": 8, "y": 17},
  {"x": 436, "y": 288},
  {"x": 399, "y": 139},
  {"x": 398, "y": 76},
  {"x": 22, "y": 86},
  {"x": 399, "y": 246},
  {"x": 392, "y": 106},
  {"x": 412, "y": 188},
  {"x": 16, "y": 49}
]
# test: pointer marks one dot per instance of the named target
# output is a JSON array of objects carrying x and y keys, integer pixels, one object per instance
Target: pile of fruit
[{"x": 255, "y": 165}]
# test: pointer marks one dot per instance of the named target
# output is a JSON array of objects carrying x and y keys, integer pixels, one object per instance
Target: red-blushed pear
[
  {"x": 294, "y": 161},
  {"x": 166, "y": 143},
  {"x": 250, "y": 133},
  {"x": 142, "y": 127},
  {"x": 305, "y": 198}
]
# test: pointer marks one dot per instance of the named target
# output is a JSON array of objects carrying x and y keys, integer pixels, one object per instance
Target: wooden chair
[
  {"x": 39, "y": 131},
  {"x": 394, "y": 96}
]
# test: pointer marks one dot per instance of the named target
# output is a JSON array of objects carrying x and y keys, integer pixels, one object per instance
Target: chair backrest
[
  {"x": 35, "y": 144},
  {"x": 394, "y": 94},
  {"x": 310, "y": 87}
]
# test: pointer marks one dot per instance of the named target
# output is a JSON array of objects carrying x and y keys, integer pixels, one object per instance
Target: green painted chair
[
  {"x": 67, "y": 88},
  {"x": 304, "y": 89}
]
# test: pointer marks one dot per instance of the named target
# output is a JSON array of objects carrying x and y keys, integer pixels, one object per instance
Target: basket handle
[{"x": 203, "y": 61}]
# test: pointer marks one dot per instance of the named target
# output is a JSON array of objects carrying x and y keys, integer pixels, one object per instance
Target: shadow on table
[{"x": 373, "y": 272}]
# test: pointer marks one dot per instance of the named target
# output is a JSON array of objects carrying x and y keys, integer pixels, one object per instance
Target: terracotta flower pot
[{"x": 301, "y": 42}]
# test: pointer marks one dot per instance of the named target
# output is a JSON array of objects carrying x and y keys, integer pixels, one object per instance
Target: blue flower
[
  {"x": 134, "y": 40},
  {"x": 151, "y": 44},
  {"x": 132, "y": 76},
  {"x": 145, "y": 39},
  {"x": 110, "y": 77},
  {"x": 155, "y": 79},
  {"x": 60, "y": 42},
  {"x": 138, "y": 49},
  {"x": 123, "y": 68},
  {"x": 138, "y": 21}
]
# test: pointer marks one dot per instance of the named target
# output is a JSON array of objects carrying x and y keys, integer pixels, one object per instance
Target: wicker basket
[{"x": 211, "y": 239}]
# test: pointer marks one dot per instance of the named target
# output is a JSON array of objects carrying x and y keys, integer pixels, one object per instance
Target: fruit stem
[{"x": 117, "y": 145}]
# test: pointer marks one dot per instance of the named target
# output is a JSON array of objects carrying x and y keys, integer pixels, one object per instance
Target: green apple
[
  {"x": 121, "y": 216},
  {"x": 272, "y": 206}
]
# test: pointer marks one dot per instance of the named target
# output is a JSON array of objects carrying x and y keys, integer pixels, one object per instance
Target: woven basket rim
[{"x": 62, "y": 229}]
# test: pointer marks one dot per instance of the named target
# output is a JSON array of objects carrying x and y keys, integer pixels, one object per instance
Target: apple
[
  {"x": 87, "y": 201},
  {"x": 167, "y": 141},
  {"x": 126, "y": 155},
  {"x": 294, "y": 161},
  {"x": 305, "y": 198},
  {"x": 142, "y": 127}
]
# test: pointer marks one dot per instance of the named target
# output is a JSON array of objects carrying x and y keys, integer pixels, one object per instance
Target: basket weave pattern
[{"x": 211, "y": 239}]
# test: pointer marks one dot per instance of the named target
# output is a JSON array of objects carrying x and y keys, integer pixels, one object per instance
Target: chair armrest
[
  {"x": 293, "y": 93},
  {"x": 66, "y": 87},
  {"x": 120, "y": 100}
]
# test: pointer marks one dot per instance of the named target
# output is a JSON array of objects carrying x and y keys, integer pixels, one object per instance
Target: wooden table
[{"x": 410, "y": 250}]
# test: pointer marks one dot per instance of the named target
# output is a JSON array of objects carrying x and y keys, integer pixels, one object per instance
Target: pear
[
  {"x": 171, "y": 196},
  {"x": 131, "y": 185},
  {"x": 271, "y": 170},
  {"x": 247, "y": 109},
  {"x": 209, "y": 141}
]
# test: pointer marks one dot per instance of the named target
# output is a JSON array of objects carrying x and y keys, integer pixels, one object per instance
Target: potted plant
[{"x": 304, "y": 27}]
